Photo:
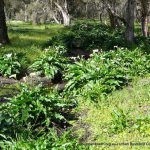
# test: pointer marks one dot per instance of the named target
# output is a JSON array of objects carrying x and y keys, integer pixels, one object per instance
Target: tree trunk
[
  {"x": 129, "y": 33},
  {"x": 65, "y": 14},
  {"x": 144, "y": 16},
  {"x": 3, "y": 28},
  {"x": 144, "y": 22},
  {"x": 100, "y": 17},
  {"x": 115, "y": 18},
  {"x": 114, "y": 22},
  {"x": 25, "y": 14}
]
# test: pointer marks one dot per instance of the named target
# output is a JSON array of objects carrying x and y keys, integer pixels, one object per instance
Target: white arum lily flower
[
  {"x": 95, "y": 51},
  {"x": 46, "y": 49},
  {"x": 13, "y": 76},
  {"x": 74, "y": 58},
  {"x": 9, "y": 55},
  {"x": 115, "y": 46}
]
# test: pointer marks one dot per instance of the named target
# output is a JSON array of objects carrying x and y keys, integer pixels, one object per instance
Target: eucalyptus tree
[{"x": 62, "y": 6}]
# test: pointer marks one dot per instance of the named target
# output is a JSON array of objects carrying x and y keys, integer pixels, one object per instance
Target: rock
[
  {"x": 7, "y": 81},
  {"x": 35, "y": 74},
  {"x": 60, "y": 87},
  {"x": 79, "y": 52},
  {"x": 34, "y": 80}
]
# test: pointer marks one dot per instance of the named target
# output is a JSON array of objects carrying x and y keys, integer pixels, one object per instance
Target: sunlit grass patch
[
  {"x": 29, "y": 39},
  {"x": 97, "y": 122}
]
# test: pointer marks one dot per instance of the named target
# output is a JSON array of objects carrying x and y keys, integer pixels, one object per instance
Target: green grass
[
  {"x": 94, "y": 125},
  {"x": 28, "y": 39}
]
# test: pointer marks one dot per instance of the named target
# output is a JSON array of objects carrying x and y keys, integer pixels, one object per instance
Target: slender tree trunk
[
  {"x": 25, "y": 14},
  {"x": 129, "y": 33},
  {"x": 114, "y": 22},
  {"x": 144, "y": 22},
  {"x": 144, "y": 16},
  {"x": 115, "y": 18},
  {"x": 100, "y": 17},
  {"x": 56, "y": 20},
  {"x": 3, "y": 28}
]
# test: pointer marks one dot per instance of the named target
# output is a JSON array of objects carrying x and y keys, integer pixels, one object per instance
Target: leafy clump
[
  {"x": 50, "y": 63},
  {"x": 106, "y": 71},
  {"x": 50, "y": 140},
  {"x": 33, "y": 110},
  {"x": 122, "y": 121},
  {"x": 10, "y": 65},
  {"x": 88, "y": 35}
]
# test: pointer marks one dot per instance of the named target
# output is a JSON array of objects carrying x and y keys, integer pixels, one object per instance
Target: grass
[
  {"x": 28, "y": 39},
  {"x": 94, "y": 125}
]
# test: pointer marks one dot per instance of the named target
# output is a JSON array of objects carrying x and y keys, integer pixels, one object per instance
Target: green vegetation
[
  {"x": 33, "y": 109},
  {"x": 88, "y": 35},
  {"x": 121, "y": 117},
  {"x": 106, "y": 98},
  {"x": 105, "y": 72},
  {"x": 50, "y": 63},
  {"x": 28, "y": 39},
  {"x": 9, "y": 65}
]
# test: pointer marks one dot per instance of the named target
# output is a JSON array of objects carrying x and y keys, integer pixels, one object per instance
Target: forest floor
[{"x": 125, "y": 110}]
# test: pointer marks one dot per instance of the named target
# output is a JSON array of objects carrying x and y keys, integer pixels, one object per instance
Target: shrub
[
  {"x": 143, "y": 43},
  {"x": 107, "y": 71},
  {"x": 88, "y": 36},
  {"x": 10, "y": 65},
  {"x": 50, "y": 63},
  {"x": 50, "y": 140},
  {"x": 33, "y": 110}
]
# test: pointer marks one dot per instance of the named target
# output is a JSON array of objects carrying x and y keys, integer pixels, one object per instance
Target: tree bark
[
  {"x": 114, "y": 22},
  {"x": 144, "y": 23},
  {"x": 129, "y": 33},
  {"x": 115, "y": 19},
  {"x": 25, "y": 14},
  {"x": 144, "y": 16},
  {"x": 65, "y": 14},
  {"x": 3, "y": 28}
]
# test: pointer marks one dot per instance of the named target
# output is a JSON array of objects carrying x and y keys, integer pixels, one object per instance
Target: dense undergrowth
[
  {"x": 105, "y": 72},
  {"x": 89, "y": 35},
  {"x": 31, "y": 116},
  {"x": 39, "y": 118}
]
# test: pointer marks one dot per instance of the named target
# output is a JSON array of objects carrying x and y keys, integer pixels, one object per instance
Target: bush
[
  {"x": 50, "y": 63},
  {"x": 34, "y": 110},
  {"x": 143, "y": 43},
  {"x": 49, "y": 140},
  {"x": 10, "y": 65},
  {"x": 106, "y": 71},
  {"x": 88, "y": 36}
]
